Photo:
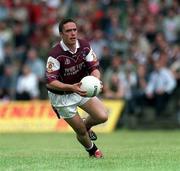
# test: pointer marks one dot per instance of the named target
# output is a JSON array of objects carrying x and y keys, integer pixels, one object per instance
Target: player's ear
[{"x": 60, "y": 35}]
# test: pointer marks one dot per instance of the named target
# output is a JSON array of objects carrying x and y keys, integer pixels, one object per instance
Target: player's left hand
[
  {"x": 101, "y": 86},
  {"x": 76, "y": 88}
]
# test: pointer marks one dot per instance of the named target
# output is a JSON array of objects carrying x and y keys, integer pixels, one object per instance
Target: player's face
[{"x": 69, "y": 33}]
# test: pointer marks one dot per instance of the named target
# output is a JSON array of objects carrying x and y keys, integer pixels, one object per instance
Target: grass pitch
[{"x": 123, "y": 151}]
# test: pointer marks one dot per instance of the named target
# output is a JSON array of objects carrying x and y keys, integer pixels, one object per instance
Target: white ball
[{"x": 92, "y": 85}]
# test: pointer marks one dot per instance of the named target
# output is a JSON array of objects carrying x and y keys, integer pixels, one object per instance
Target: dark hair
[{"x": 64, "y": 21}]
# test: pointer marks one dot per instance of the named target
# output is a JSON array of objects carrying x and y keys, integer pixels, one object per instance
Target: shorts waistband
[{"x": 59, "y": 91}]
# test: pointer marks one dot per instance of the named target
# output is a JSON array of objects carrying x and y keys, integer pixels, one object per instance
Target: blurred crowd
[{"x": 136, "y": 41}]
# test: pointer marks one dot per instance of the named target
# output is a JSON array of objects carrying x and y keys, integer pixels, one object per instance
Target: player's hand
[
  {"x": 101, "y": 86},
  {"x": 76, "y": 88}
]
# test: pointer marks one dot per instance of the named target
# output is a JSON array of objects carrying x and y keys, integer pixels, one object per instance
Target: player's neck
[{"x": 71, "y": 47}]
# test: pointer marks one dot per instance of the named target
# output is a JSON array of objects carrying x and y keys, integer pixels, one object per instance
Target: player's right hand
[{"x": 76, "y": 88}]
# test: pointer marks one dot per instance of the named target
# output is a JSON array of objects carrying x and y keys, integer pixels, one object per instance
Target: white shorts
[{"x": 66, "y": 105}]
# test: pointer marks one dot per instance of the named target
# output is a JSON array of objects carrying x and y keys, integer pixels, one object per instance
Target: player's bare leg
[
  {"x": 82, "y": 135},
  {"x": 78, "y": 126},
  {"x": 97, "y": 112}
]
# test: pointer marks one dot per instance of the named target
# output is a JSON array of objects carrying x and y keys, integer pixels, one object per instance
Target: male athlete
[{"x": 69, "y": 61}]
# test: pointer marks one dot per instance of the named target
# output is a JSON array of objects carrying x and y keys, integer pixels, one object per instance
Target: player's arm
[
  {"x": 52, "y": 72},
  {"x": 57, "y": 85},
  {"x": 93, "y": 65},
  {"x": 96, "y": 73}
]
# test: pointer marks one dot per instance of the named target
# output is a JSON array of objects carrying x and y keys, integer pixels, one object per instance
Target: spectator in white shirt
[
  {"x": 27, "y": 85},
  {"x": 160, "y": 85}
]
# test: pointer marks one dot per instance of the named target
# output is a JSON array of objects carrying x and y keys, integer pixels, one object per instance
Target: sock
[{"x": 92, "y": 149}]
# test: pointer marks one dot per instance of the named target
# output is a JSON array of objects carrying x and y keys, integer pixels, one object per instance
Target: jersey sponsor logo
[
  {"x": 67, "y": 61},
  {"x": 74, "y": 69}
]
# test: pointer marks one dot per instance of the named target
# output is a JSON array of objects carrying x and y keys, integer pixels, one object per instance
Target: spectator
[
  {"x": 5, "y": 37},
  {"x": 171, "y": 26},
  {"x": 106, "y": 58},
  {"x": 112, "y": 86},
  {"x": 128, "y": 81},
  {"x": 37, "y": 66},
  {"x": 160, "y": 86},
  {"x": 98, "y": 43},
  {"x": 4, "y": 12},
  {"x": 35, "y": 63},
  {"x": 7, "y": 81},
  {"x": 19, "y": 40},
  {"x": 9, "y": 56},
  {"x": 175, "y": 64},
  {"x": 139, "y": 90},
  {"x": 27, "y": 85}
]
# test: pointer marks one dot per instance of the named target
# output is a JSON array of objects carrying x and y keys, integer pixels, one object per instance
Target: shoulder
[
  {"x": 84, "y": 43},
  {"x": 84, "y": 46},
  {"x": 56, "y": 50}
]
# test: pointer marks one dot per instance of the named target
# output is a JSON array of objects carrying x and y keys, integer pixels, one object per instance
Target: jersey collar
[{"x": 65, "y": 48}]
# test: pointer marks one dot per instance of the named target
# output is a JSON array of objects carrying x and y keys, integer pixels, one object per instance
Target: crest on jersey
[{"x": 50, "y": 66}]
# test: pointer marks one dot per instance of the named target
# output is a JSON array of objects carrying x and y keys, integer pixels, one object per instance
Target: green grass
[{"x": 123, "y": 151}]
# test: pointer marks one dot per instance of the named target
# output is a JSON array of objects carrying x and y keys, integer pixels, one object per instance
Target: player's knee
[{"x": 103, "y": 118}]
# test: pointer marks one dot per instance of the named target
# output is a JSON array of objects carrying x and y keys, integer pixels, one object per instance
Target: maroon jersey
[{"x": 69, "y": 67}]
